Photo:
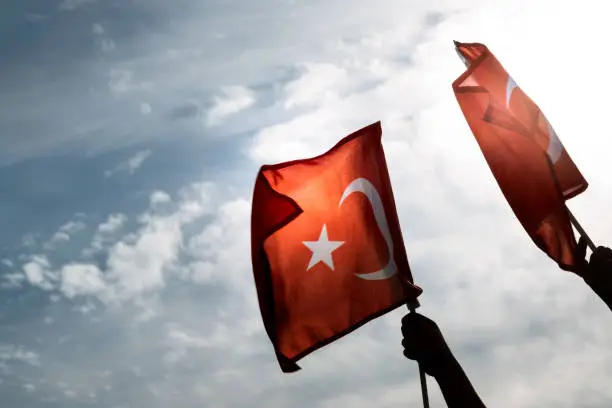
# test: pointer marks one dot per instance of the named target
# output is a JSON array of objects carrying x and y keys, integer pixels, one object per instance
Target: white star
[{"x": 322, "y": 249}]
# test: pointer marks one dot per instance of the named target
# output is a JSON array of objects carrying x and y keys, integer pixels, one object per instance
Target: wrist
[
  {"x": 444, "y": 366},
  {"x": 600, "y": 288}
]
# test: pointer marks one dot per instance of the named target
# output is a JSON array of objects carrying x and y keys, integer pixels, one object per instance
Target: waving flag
[
  {"x": 326, "y": 246},
  {"x": 529, "y": 162}
]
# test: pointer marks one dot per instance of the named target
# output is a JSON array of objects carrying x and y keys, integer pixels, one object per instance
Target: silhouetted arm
[
  {"x": 456, "y": 388},
  {"x": 423, "y": 342}
]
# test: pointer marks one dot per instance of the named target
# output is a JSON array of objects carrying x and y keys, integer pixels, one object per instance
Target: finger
[
  {"x": 412, "y": 316},
  {"x": 409, "y": 355},
  {"x": 413, "y": 325},
  {"x": 409, "y": 322},
  {"x": 600, "y": 257},
  {"x": 581, "y": 249},
  {"x": 601, "y": 254}
]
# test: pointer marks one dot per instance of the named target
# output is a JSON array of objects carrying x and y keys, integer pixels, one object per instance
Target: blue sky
[{"x": 130, "y": 135}]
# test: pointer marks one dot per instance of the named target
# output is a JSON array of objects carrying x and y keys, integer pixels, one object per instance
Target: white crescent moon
[
  {"x": 366, "y": 188},
  {"x": 555, "y": 147},
  {"x": 510, "y": 85}
]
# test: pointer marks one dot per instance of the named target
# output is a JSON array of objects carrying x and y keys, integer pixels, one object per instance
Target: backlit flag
[
  {"x": 529, "y": 162},
  {"x": 326, "y": 246}
]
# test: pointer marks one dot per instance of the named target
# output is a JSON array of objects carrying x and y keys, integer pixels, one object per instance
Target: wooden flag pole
[
  {"x": 412, "y": 307},
  {"x": 581, "y": 230}
]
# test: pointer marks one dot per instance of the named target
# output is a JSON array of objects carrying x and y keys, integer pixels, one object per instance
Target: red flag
[
  {"x": 326, "y": 246},
  {"x": 529, "y": 162}
]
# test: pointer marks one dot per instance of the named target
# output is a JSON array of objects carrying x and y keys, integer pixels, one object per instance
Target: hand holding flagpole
[
  {"x": 412, "y": 307},
  {"x": 581, "y": 230}
]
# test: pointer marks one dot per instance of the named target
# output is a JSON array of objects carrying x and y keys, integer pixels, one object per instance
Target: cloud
[
  {"x": 138, "y": 262},
  {"x": 81, "y": 279},
  {"x": 122, "y": 83},
  {"x": 97, "y": 29},
  {"x": 112, "y": 224},
  {"x": 35, "y": 17},
  {"x": 105, "y": 234},
  {"x": 160, "y": 197},
  {"x": 20, "y": 354},
  {"x": 38, "y": 272},
  {"x": 72, "y": 227},
  {"x": 145, "y": 108},
  {"x": 29, "y": 240},
  {"x": 12, "y": 280},
  {"x": 231, "y": 101},
  {"x": 131, "y": 165},
  {"x": 317, "y": 83},
  {"x": 69, "y": 5},
  {"x": 64, "y": 233},
  {"x": 107, "y": 45}
]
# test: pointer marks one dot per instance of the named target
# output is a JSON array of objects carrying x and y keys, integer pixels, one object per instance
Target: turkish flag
[
  {"x": 529, "y": 162},
  {"x": 326, "y": 246}
]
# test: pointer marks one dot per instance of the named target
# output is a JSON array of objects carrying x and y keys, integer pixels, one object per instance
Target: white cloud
[
  {"x": 38, "y": 272},
  {"x": 81, "y": 279},
  {"x": 12, "y": 280},
  {"x": 216, "y": 246},
  {"x": 97, "y": 29},
  {"x": 35, "y": 17},
  {"x": 138, "y": 263},
  {"x": 122, "y": 82},
  {"x": 72, "y": 227},
  {"x": 159, "y": 197},
  {"x": 145, "y": 108},
  {"x": 64, "y": 233},
  {"x": 29, "y": 240},
  {"x": 232, "y": 100},
  {"x": 59, "y": 237},
  {"x": 105, "y": 234},
  {"x": 20, "y": 354},
  {"x": 131, "y": 165},
  {"x": 107, "y": 45},
  {"x": 68, "y": 5},
  {"x": 29, "y": 387},
  {"x": 113, "y": 223},
  {"x": 137, "y": 160},
  {"x": 318, "y": 82},
  {"x": 179, "y": 342}
]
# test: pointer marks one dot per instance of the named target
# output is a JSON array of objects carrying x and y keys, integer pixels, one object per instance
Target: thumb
[
  {"x": 580, "y": 256},
  {"x": 581, "y": 248}
]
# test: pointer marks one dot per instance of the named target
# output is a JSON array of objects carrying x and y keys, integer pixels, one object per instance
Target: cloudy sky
[{"x": 130, "y": 135}]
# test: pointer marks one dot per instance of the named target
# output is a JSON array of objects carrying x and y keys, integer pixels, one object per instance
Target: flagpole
[
  {"x": 412, "y": 306},
  {"x": 581, "y": 230}
]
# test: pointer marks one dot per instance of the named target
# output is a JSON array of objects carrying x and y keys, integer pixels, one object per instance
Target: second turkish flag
[
  {"x": 529, "y": 162},
  {"x": 327, "y": 248}
]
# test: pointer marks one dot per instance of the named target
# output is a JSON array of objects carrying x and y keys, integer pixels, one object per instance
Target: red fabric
[
  {"x": 306, "y": 306},
  {"x": 531, "y": 166}
]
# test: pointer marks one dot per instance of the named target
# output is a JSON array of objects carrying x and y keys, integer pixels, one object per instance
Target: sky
[{"x": 131, "y": 132}]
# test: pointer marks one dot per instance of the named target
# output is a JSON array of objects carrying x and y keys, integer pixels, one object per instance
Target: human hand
[
  {"x": 423, "y": 341},
  {"x": 597, "y": 273}
]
